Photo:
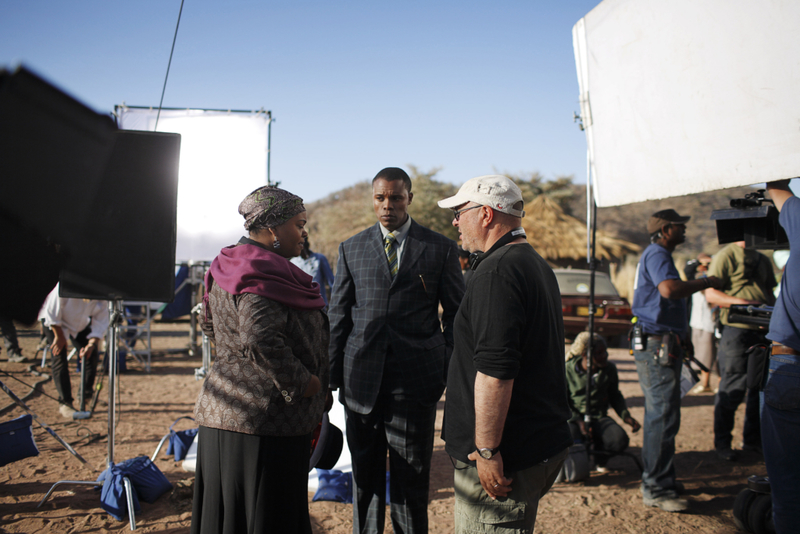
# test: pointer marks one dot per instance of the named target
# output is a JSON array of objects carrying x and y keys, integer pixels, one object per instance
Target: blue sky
[{"x": 471, "y": 87}]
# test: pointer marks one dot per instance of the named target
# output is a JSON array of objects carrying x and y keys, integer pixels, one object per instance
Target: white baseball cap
[{"x": 496, "y": 191}]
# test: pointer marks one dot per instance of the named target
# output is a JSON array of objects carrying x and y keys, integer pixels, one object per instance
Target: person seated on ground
[
  {"x": 83, "y": 321},
  {"x": 605, "y": 433}
]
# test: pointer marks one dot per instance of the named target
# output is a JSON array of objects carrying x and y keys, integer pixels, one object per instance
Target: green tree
[
  {"x": 533, "y": 184},
  {"x": 427, "y": 193}
]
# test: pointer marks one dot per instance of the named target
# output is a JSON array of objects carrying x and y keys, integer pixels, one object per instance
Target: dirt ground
[{"x": 150, "y": 402}]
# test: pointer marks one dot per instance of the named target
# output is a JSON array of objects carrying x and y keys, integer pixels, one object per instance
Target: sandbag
[
  {"x": 16, "y": 440},
  {"x": 334, "y": 486},
  {"x": 576, "y": 466},
  {"x": 148, "y": 482}
]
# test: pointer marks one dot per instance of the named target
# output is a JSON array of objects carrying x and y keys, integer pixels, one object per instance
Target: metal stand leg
[
  {"x": 96, "y": 484},
  {"x": 160, "y": 444},
  {"x": 196, "y": 272},
  {"x": 49, "y": 430},
  {"x": 201, "y": 373},
  {"x": 129, "y": 496}
]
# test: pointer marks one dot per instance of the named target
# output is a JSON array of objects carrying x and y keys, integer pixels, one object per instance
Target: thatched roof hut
[{"x": 561, "y": 239}]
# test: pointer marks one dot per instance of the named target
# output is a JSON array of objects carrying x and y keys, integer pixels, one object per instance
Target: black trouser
[
  {"x": 607, "y": 436},
  {"x": 60, "y": 367},
  {"x": 733, "y": 387},
  {"x": 9, "y": 333}
]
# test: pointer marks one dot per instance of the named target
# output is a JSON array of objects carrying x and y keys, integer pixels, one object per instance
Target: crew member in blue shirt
[
  {"x": 780, "y": 397},
  {"x": 659, "y": 303}
]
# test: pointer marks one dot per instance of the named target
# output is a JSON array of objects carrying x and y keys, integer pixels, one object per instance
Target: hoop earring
[{"x": 276, "y": 244}]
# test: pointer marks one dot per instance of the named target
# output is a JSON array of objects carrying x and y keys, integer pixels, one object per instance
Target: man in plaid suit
[{"x": 389, "y": 353}]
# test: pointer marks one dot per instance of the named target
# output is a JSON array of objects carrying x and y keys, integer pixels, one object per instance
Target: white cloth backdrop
[
  {"x": 687, "y": 96},
  {"x": 223, "y": 158}
]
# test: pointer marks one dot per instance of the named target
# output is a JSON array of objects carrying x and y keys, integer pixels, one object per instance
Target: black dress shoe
[{"x": 727, "y": 454}]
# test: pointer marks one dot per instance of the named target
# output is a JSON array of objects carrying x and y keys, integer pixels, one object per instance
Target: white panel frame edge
[
  {"x": 223, "y": 158},
  {"x": 684, "y": 97}
]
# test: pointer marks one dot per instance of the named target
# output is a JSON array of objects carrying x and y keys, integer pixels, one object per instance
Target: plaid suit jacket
[{"x": 370, "y": 312}]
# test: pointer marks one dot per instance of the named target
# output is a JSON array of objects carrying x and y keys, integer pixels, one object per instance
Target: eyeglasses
[{"x": 457, "y": 213}]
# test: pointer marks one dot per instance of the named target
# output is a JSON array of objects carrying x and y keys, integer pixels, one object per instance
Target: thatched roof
[{"x": 558, "y": 236}]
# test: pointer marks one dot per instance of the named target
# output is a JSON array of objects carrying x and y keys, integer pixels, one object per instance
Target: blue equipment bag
[
  {"x": 112, "y": 494},
  {"x": 148, "y": 482},
  {"x": 181, "y": 440},
  {"x": 16, "y": 440},
  {"x": 334, "y": 486}
]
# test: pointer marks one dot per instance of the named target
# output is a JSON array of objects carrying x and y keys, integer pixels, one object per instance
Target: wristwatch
[{"x": 487, "y": 454}]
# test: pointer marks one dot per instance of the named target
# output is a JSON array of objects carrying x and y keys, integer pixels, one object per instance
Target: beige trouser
[{"x": 477, "y": 513}]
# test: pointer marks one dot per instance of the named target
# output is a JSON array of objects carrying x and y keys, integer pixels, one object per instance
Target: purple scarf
[{"x": 246, "y": 268}]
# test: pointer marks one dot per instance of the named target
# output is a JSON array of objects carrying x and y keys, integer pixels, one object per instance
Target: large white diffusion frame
[
  {"x": 683, "y": 96},
  {"x": 223, "y": 157}
]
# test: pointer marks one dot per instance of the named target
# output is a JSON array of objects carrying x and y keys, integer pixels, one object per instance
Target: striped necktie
[{"x": 391, "y": 252}]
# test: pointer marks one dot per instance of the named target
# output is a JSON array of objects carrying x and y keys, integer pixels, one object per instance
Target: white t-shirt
[
  {"x": 702, "y": 317},
  {"x": 74, "y": 315}
]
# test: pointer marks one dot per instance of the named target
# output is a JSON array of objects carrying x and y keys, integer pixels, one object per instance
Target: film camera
[{"x": 752, "y": 219}]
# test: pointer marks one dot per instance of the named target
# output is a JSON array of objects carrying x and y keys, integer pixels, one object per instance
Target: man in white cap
[{"x": 506, "y": 412}]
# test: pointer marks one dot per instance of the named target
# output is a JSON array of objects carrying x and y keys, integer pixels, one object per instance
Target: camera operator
[
  {"x": 780, "y": 400},
  {"x": 747, "y": 278}
]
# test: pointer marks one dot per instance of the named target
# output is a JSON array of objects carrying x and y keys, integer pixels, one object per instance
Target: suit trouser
[
  {"x": 405, "y": 427},
  {"x": 60, "y": 367}
]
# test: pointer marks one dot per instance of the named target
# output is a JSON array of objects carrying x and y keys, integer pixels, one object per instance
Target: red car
[{"x": 612, "y": 318}]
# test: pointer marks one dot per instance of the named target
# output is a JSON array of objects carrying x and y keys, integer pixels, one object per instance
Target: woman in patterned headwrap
[{"x": 266, "y": 391}]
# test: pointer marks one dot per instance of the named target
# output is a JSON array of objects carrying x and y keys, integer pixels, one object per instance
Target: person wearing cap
[
  {"x": 747, "y": 279},
  {"x": 780, "y": 402},
  {"x": 505, "y": 422},
  {"x": 659, "y": 303},
  {"x": 267, "y": 390},
  {"x": 608, "y": 437},
  {"x": 389, "y": 353}
]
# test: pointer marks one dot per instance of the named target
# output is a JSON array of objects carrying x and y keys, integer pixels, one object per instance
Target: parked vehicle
[{"x": 612, "y": 317}]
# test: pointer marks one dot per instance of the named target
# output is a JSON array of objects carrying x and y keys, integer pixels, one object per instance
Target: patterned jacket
[
  {"x": 372, "y": 314},
  {"x": 266, "y": 354}
]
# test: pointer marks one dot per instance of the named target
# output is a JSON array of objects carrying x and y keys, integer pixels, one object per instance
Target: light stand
[
  {"x": 197, "y": 270},
  {"x": 592, "y": 260},
  {"x": 115, "y": 313}
]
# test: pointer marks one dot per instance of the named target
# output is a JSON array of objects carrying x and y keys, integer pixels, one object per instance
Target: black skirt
[{"x": 250, "y": 484}]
